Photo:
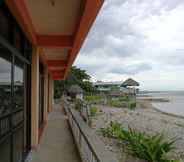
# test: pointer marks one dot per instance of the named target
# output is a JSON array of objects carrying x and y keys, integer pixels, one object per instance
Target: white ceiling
[
  {"x": 56, "y": 54},
  {"x": 54, "y": 17}
]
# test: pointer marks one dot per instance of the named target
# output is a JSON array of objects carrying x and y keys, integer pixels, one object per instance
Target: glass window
[
  {"x": 4, "y": 125},
  {"x": 5, "y": 81},
  {"x": 19, "y": 40},
  {"x": 17, "y": 118},
  {"x": 27, "y": 50},
  {"x": 4, "y": 25},
  {"x": 18, "y": 145},
  {"x": 5, "y": 150},
  {"x": 18, "y": 84}
]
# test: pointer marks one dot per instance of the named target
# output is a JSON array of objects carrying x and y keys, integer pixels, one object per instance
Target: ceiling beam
[
  {"x": 91, "y": 9},
  {"x": 81, "y": 11},
  {"x": 57, "y": 72},
  {"x": 57, "y": 41},
  {"x": 51, "y": 68},
  {"x": 56, "y": 63},
  {"x": 57, "y": 75},
  {"x": 19, "y": 10},
  {"x": 58, "y": 78}
]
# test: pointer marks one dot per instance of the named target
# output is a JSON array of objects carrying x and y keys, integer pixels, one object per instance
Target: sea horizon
[{"x": 175, "y": 105}]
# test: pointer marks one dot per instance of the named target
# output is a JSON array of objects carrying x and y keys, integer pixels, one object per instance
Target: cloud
[
  {"x": 131, "y": 69},
  {"x": 136, "y": 38},
  {"x": 5, "y": 67}
]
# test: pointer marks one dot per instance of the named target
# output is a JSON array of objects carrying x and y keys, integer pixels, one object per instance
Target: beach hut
[
  {"x": 131, "y": 85},
  {"x": 75, "y": 91},
  {"x": 115, "y": 93},
  {"x": 124, "y": 90}
]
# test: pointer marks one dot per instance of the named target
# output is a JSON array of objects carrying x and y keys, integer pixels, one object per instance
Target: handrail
[
  {"x": 90, "y": 147},
  {"x": 86, "y": 139}
]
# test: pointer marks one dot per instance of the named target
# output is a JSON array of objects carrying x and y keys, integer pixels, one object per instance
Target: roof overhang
[{"x": 58, "y": 27}]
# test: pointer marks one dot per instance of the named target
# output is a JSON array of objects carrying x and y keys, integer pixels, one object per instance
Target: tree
[{"x": 76, "y": 76}]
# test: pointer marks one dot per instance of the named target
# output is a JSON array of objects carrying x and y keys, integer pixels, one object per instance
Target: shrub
[
  {"x": 150, "y": 148},
  {"x": 93, "y": 99},
  {"x": 78, "y": 104},
  {"x": 93, "y": 111},
  {"x": 115, "y": 103},
  {"x": 132, "y": 105},
  {"x": 124, "y": 98},
  {"x": 113, "y": 130}
]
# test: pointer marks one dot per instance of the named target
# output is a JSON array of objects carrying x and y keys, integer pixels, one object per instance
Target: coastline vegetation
[
  {"x": 132, "y": 105},
  {"x": 78, "y": 104},
  {"x": 151, "y": 148},
  {"x": 93, "y": 99},
  {"x": 116, "y": 103},
  {"x": 93, "y": 111},
  {"x": 77, "y": 76},
  {"x": 120, "y": 102},
  {"x": 124, "y": 98}
]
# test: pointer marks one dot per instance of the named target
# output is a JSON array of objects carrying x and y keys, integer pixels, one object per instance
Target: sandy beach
[{"x": 145, "y": 118}]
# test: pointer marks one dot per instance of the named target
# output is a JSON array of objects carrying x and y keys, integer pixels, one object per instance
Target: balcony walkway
[{"x": 57, "y": 143}]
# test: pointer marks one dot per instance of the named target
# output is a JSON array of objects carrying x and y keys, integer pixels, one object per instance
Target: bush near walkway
[
  {"x": 93, "y": 111},
  {"x": 132, "y": 105}
]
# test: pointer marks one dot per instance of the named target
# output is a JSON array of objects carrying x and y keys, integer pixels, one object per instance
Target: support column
[
  {"x": 51, "y": 94},
  {"x": 35, "y": 97},
  {"x": 46, "y": 97}
]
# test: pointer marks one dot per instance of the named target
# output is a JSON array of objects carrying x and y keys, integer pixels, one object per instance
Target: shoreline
[
  {"x": 148, "y": 102},
  {"x": 167, "y": 113},
  {"x": 153, "y": 99},
  {"x": 145, "y": 118}
]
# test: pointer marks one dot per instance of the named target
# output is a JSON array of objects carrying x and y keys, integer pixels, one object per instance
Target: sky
[{"x": 141, "y": 39}]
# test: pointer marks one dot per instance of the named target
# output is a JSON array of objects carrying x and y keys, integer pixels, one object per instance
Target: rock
[{"x": 144, "y": 120}]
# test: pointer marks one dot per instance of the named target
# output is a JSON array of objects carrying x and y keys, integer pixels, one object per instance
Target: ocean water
[{"x": 176, "y": 104}]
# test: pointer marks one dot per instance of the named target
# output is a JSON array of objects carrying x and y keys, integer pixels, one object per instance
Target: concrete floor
[{"x": 57, "y": 143}]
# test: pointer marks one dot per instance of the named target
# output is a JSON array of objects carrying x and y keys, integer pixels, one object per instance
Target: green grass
[
  {"x": 123, "y": 101},
  {"x": 93, "y": 111},
  {"x": 119, "y": 103},
  {"x": 93, "y": 99},
  {"x": 115, "y": 103},
  {"x": 113, "y": 130},
  {"x": 124, "y": 98},
  {"x": 132, "y": 105},
  {"x": 151, "y": 148},
  {"x": 78, "y": 104}
]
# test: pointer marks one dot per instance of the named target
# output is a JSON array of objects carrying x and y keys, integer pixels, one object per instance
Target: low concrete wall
[{"x": 90, "y": 147}]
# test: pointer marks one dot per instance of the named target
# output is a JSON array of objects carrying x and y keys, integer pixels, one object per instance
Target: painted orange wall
[{"x": 35, "y": 97}]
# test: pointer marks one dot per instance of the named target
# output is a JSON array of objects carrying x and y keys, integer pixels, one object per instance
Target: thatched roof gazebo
[
  {"x": 75, "y": 91},
  {"x": 130, "y": 83}
]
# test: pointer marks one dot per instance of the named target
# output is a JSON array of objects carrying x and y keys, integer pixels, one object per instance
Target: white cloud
[{"x": 142, "y": 39}]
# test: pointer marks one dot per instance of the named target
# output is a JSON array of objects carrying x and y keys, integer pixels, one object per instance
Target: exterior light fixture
[{"x": 52, "y": 2}]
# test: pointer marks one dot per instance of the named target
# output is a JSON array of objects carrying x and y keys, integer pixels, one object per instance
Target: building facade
[
  {"x": 39, "y": 41},
  {"x": 127, "y": 86},
  {"x": 107, "y": 86}
]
